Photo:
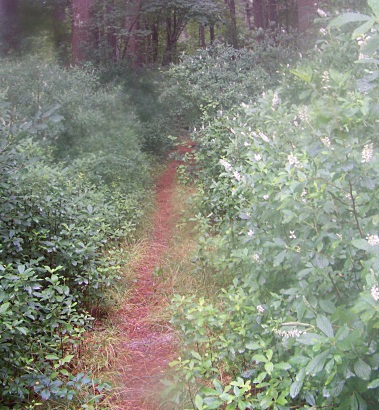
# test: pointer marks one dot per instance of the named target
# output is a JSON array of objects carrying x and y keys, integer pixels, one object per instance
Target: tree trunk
[
  {"x": 272, "y": 11},
  {"x": 60, "y": 32},
  {"x": 248, "y": 14},
  {"x": 132, "y": 25},
  {"x": 155, "y": 41},
  {"x": 259, "y": 21},
  {"x": 111, "y": 35},
  {"x": 233, "y": 23},
  {"x": 202, "y": 36},
  {"x": 304, "y": 12},
  {"x": 80, "y": 29},
  {"x": 212, "y": 33},
  {"x": 10, "y": 26},
  {"x": 167, "y": 55}
]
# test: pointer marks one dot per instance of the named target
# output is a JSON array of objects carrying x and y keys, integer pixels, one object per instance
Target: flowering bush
[{"x": 292, "y": 216}]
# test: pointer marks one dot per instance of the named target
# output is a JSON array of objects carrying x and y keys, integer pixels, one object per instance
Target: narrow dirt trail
[{"x": 149, "y": 346}]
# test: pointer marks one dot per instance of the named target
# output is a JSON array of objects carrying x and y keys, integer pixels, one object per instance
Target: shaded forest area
[
  {"x": 282, "y": 96},
  {"x": 141, "y": 31}
]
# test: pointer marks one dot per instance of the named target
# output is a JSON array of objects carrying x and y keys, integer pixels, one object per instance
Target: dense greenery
[
  {"x": 289, "y": 217},
  {"x": 74, "y": 171}
]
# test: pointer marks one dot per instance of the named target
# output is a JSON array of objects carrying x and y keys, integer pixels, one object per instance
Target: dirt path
[{"x": 148, "y": 345}]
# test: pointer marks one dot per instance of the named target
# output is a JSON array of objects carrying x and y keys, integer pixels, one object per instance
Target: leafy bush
[
  {"x": 79, "y": 118},
  {"x": 289, "y": 185},
  {"x": 73, "y": 177},
  {"x": 220, "y": 76}
]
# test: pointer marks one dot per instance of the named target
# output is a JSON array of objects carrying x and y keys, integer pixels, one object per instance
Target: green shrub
[
  {"x": 57, "y": 231},
  {"x": 290, "y": 200}
]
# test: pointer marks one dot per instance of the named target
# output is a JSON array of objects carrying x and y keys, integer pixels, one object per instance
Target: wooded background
[{"x": 141, "y": 31}]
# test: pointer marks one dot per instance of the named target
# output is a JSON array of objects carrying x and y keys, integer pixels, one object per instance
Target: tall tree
[
  {"x": 175, "y": 14},
  {"x": 248, "y": 14},
  {"x": 132, "y": 25},
  {"x": 10, "y": 25},
  {"x": 81, "y": 37},
  {"x": 233, "y": 22},
  {"x": 304, "y": 12},
  {"x": 59, "y": 11},
  {"x": 258, "y": 12}
]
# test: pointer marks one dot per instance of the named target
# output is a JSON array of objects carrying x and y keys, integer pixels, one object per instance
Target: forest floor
[{"x": 146, "y": 342}]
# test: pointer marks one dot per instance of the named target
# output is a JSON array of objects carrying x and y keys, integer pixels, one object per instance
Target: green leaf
[
  {"x": 304, "y": 73},
  {"x": 360, "y": 244},
  {"x": 347, "y": 18},
  {"x": 317, "y": 363},
  {"x": 374, "y": 4},
  {"x": 212, "y": 403},
  {"x": 51, "y": 357},
  {"x": 199, "y": 402},
  {"x": 324, "y": 325},
  {"x": 4, "y": 307},
  {"x": 67, "y": 359},
  {"x": 297, "y": 385},
  {"x": 45, "y": 394},
  {"x": 22, "y": 330},
  {"x": 282, "y": 366},
  {"x": 260, "y": 358},
  {"x": 320, "y": 261},
  {"x": 362, "y": 369},
  {"x": 269, "y": 367},
  {"x": 364, "y": 28},
  {"x": 252, "y": 346},
  {"x": 373, "y": 384},
  {"x": 195, "y": 355},
  {"x": 279, "y": 258}
]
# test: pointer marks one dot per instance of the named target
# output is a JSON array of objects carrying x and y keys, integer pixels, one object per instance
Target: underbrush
[
  {"x": 289, "y": 217},
  {"x": 74, "y": 176}
]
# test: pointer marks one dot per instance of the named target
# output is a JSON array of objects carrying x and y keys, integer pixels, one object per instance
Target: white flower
[
  {"x": 275, "y": 100},
  {"x": 326, "y": 141},
  {"x": 303, "y": 114},
  {"x": 246, "y": 144},
  {"x": 264, "y": 136},
  {"x": 321, "y": 13},
  {"x": 250, "y": 233},
  {"x": 226, "y": 165},
  {"x": 367, "y": 153},
  {"x": 372, "y": 240},
  {"x": 375, "y": 292},
  {"x": 256, "y": 257},
  {"x": 286, "y": 334},
  {"x": 293, "y": 160},
  {"x": 257, "y": 157},
  {"x": 237, "y": 175},
  {"x": 362, "y": 56},
  {"x": 292, "y": 235},
  {"x": 260, "y": 308},
  {"x": 325, "y": 79},
  {"x": 265, "y": 197}
]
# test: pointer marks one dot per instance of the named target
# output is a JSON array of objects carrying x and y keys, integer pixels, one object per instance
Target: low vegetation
[{"x": 287, "y": 196}]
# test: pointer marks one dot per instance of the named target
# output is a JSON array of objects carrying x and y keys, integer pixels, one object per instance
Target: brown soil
[{"x": 148, "y": 345}]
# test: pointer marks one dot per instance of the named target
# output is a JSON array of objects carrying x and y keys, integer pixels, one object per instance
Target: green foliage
[
  {"x": 289, "y": 210},
  {"x": 73, "y": 177},
  {"x": 79, "y": 118},
  {"x": 220, "y": 77}
]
